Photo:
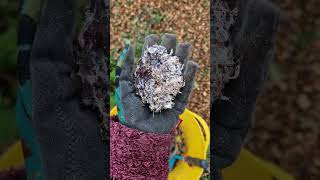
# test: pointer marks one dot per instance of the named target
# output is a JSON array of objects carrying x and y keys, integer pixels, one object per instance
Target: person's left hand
[{"x": 132, "y": 112}]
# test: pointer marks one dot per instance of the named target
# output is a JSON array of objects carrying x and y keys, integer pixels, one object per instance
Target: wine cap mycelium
[{"x": 158, "y": 78}]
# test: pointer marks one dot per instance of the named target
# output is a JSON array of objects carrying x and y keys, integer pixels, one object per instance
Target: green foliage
[
  {"x": 156, "y": 17},
  {"x": 8, "y": 25},
  {"x": 8, "y": 128},
  {"x": 275, "y": 73},
  {"x": 205, "y": 73},
  {"x": 112, "y": 87},
  {"x": 8, "y": 51},
  {"x": 8, "y": 14},
  {"x": 205, "y": 177}
]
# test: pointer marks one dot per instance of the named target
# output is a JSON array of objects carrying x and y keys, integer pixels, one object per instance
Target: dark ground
[{"x": 287, "y": 126}]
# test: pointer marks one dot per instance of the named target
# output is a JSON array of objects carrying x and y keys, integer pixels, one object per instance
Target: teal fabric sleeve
[{"x": 117, "y": 97}]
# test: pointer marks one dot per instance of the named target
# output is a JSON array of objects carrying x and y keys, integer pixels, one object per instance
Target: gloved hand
[
  {"x": 131, "y": 110},
  {"x": 68, "y": 134},
  {"x": 252, "y": 38}
]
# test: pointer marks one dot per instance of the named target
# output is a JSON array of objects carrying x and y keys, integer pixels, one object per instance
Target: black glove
[
  {"x": 69, "y": 135},
  {"x": 251, "y": 44}
]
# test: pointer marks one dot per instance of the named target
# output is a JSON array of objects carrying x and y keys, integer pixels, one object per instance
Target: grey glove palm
[{"x": 139, "y": 116}]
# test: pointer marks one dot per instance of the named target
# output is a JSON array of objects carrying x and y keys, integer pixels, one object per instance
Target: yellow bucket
[
  {"x": 250, "y": 167},
  {"x": 12, "y": 158},
  {"x": 197, "y": 137}
]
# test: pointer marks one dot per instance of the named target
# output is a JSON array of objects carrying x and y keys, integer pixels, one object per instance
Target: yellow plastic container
[
  {"x": 197, "y": 138},
  {"x": 250, "y": 167},
  {"x": 12, "y": 158}
]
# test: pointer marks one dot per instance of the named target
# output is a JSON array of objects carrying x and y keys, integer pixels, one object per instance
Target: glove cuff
[{"x": 138, "y": 155}]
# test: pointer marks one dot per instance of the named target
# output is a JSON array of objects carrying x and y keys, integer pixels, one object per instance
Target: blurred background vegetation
[
  {"x": 8, "y": 82},
  {"x": 286, "y": 130}
]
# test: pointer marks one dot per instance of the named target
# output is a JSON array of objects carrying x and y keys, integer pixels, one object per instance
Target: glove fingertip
[
  {"x": 191, "y": 70},
  {"x": 128, "y": 65},
  {"x": 183, "y": 51},
  {"x": 169, "y": 41},
  {"x": 150, "y": 40}
]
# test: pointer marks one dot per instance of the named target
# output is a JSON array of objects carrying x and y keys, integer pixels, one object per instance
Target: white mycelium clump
[{"x": 158, "y": 78}]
